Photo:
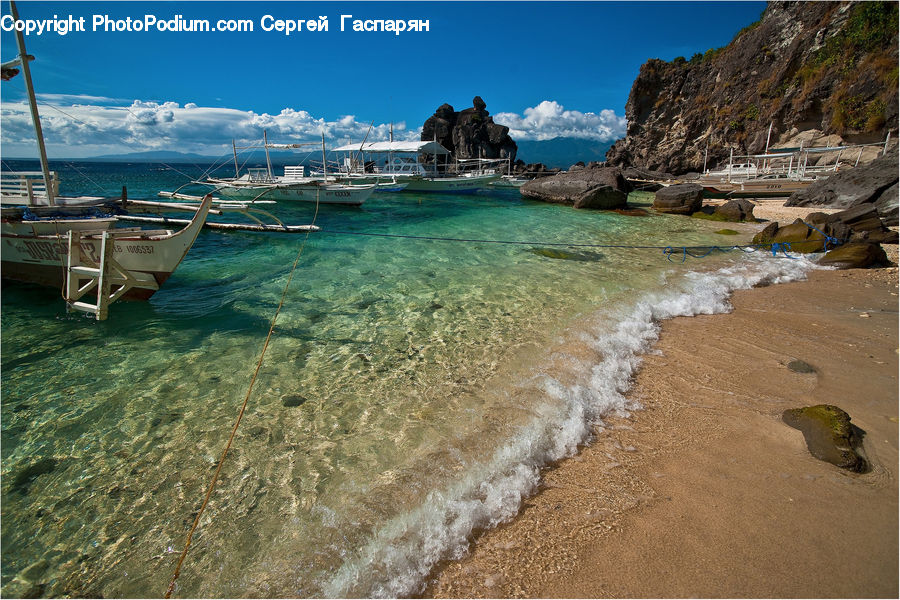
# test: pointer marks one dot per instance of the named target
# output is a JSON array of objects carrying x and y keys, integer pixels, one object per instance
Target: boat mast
[
  {"x": 268, "y": 162},
  {"x": 730, "y": 164},
  {"x": 32, "y": 103},
  {"x": 324, "y": 163},
  {"x": 234, "y": 149},
  {"x": 768, "y": 137}
]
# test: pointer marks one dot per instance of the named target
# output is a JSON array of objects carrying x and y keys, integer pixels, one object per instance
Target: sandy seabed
[{"x": 706, "y": 492}]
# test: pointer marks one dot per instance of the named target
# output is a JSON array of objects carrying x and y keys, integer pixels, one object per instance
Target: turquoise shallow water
[{"x": 410, "y": 394}]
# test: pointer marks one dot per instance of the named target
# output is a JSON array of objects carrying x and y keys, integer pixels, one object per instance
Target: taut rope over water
[{"x": 237, "y": 422}]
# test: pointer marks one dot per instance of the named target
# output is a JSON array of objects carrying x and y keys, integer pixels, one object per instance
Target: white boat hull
[
  {"x": 450, "y": 185},
  {"x": 352, "y": 195},
  {"x": 37, "y": 251}
]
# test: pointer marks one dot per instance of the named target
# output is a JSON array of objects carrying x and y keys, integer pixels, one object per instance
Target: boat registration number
[{"x": 41, "y": 250}]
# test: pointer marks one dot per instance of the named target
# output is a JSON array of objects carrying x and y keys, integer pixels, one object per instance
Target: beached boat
[
  {"x": 401, "y": 162},
  {"x": 780, "y": 171},
  {"x": 73, "y": 243},
  {"x": 771, "y": 185}
]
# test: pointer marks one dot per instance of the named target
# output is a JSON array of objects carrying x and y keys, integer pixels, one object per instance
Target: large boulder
[
  {"x": 820, "y": 232},
  {"x": 855, "y": 256},
  {"x": 595, "y": 187},
  {"x": 887, "y": 205},
  {"x": 856, "y": 224},
  {"x": 874, "y": 184},
  {"x": 801, "y": 237},
  {"x": 679, "y": 199},
  {"x": 736, "y": 211}
]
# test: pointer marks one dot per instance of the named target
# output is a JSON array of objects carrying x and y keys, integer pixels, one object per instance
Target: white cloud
[
  {"x": 73, "y": 128},
  {"x": 77, "y": 126},
  {"x": 77, "y": 99},
  {"x": 549, "y": 120}
]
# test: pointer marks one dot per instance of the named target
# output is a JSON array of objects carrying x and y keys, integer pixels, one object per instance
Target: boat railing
[
  {"x": 260, "y": 175},
  {"x": 294, "y": 172},
  {"x": 27, "y": 187}
]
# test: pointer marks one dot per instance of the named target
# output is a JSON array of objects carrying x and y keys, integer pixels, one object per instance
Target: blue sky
[{"x": 543, "y": 68}]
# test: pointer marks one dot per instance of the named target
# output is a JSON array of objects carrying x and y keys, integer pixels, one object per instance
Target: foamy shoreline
[{"x": 686, "y": 497}]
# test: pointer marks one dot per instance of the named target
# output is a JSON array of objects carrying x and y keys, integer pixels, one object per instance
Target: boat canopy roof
[{"x": 385, "y": 147}]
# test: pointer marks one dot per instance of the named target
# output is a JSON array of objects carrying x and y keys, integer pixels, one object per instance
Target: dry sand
[{"x": 706, "y": 492}]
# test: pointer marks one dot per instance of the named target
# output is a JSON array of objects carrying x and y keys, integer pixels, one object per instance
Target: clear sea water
[{"x": 411, "y": 393}]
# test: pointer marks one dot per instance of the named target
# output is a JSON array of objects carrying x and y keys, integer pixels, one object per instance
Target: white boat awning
[{"x": 385, "y": 147}]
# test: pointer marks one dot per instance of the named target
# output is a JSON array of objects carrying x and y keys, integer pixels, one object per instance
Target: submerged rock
[
  {"x": 292, "y": 400},
  {"x": 727, "y": 232},
  {"x": 829, "y": 435},
  {"x": 559, "y": 254},
  {"x": 632, "y": 212},
  {"x": 23, "y": 481}
]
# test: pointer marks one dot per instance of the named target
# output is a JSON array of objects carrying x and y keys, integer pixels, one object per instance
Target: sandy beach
[{"x": 705, "y": 492}]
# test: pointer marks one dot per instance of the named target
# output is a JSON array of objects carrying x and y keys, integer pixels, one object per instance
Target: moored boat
[
  {"x": 73, "y": 243},
  {"x": 400, "y": 162}
]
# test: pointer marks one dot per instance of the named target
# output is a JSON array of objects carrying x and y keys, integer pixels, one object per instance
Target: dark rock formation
[
  {"x": 829, "y": 66},
  {"x": 802, "y": 238},
  {"x": 767, "y": 235},
  {"x": 856, "y": 225},
  {"x": 597, "y": 187},
  {"x": 859, "y": 255},
  {"x": 470, "y": 133},
  {"x": 873, "y": 184},
  {"x": 533, "y": 169},
  {"x": 829, "y": 435},
  {"x": 679, "y": 199},
  {"x": 646, "y": 174}
]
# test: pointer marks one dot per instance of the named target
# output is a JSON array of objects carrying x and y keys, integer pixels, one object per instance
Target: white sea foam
[{"x": 399, "y": 555}]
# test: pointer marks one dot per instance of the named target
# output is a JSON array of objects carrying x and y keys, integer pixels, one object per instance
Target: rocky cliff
[
  {"x": 828, "y": 66},
  {"x": 470, "y": 133}
]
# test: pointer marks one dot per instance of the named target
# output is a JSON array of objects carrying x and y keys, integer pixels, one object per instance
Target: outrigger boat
[
  {"x": 779, "y": 171},
  {"x": 294, "y": 186},
  {"x": 73, "y": 243},
  {"x": 399, "y": 162}
]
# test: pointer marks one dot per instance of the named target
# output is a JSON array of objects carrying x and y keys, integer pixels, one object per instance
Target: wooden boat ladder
[{"x": 109, "y": 280}]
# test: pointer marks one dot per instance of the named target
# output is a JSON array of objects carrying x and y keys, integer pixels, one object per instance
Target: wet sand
[{"x": 706, "y": 492}]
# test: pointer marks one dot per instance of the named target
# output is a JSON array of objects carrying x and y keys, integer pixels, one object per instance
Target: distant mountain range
[
  {"x": 562, "y": 152},
  {"x": 558, "y": 152}
]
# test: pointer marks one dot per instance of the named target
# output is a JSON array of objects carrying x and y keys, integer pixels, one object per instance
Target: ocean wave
[{"x": 399, "y": 555}]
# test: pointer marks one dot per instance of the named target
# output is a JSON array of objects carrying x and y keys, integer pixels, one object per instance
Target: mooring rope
[
  {"x": 668, "y": 252},
  {"x": 240, "y": 415}
]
